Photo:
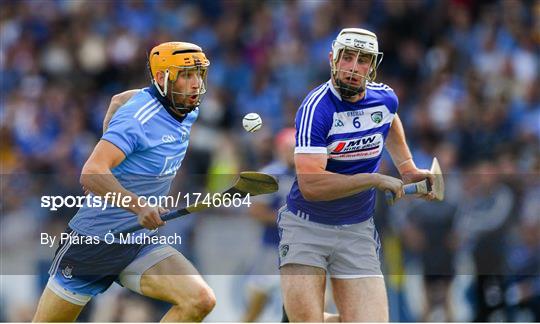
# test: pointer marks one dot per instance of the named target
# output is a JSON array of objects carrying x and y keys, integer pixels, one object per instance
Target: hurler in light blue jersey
[
  {"x": 138, "y": 156},
  {"x": 154, "y": 141},
  {"x": 327, "y": 227}
]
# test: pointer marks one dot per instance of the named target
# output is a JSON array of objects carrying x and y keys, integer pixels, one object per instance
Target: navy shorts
[{"x": 80, "y": 271}]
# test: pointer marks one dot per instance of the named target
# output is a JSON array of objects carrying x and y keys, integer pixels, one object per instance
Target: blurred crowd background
[{"x": 467, "y": 74}]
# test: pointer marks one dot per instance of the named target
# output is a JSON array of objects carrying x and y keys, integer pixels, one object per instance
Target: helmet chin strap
[
  {"x": 163, "y": 92},
  {"x": 346, "y": 91},
  {"x": 170, "y": 101}
]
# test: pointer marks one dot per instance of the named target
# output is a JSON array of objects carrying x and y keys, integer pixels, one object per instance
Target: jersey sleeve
[
  {"x": 125, "y": 132},
  {"x": 312, "y": 127},
  {"x": 392, "y": 101}
]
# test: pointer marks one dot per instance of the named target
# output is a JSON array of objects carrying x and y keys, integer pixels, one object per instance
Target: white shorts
[{"x": 344, "y": 251}]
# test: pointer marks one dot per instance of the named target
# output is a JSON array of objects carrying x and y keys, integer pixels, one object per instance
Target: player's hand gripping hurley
[
  {"x": 252, "y": 183},
  {"x": 423, "y": 187}
]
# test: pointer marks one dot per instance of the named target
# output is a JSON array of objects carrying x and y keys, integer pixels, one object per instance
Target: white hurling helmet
[{"x": 361, "y": 41}]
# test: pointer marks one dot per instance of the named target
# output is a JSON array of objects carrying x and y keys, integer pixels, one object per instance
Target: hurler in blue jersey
[
  {"x": 138, "y": 156},
  {"x": 326, "y": 226}
]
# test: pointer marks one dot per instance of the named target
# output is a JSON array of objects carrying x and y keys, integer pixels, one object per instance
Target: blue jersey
[
  {"x": 154, "y": 141},
  {"x": 285, "y": 176},
  {"x": 352, "y": 135}
]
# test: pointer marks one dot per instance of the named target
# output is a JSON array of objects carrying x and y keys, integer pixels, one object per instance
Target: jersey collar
[{"x": 333, "y": 90}]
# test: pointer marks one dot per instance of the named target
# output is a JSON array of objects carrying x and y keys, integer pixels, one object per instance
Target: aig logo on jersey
[{"x": 359, "y": 148}]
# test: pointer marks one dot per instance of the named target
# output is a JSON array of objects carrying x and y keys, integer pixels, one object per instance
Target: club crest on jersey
[
  {"x": 284, "y": 250},
  {"x": 359, "y": 148},
  {"x": 184, "y": 134},
  {"x": 67, "y": 272},
  {"x": 376, "y": 117}
]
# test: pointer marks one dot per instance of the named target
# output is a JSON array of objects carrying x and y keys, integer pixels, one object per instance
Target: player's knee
[
  {"x": 200, "y": 302},
  {"x": 205, "y": 300}
]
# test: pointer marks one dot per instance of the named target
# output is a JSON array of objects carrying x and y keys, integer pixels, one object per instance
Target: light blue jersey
[
  {"x": 352, "y": 135},
  {"x": 154, "y": 141}
]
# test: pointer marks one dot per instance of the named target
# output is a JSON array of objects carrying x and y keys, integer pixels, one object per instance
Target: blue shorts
[{"x": 81, "y": 271}]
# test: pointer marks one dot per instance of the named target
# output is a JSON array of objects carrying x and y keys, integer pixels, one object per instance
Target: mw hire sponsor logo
[{"x": 358, "y": 148}]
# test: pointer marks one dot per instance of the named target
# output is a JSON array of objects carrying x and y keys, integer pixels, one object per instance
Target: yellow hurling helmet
[{"x": 174, "y": 59}]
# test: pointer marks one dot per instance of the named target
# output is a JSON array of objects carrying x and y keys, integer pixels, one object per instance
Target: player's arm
[
  {"x": 396, "y": 145},
  {"x": 117, "y": 101},
  {"x": 96, "y": 176},
  {"x": 317, "y": 184},
  {"x": 398, "y": 148}
]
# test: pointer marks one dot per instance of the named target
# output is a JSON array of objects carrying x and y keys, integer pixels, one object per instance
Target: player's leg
[
  {"x": 53, "y": 308},
  {"x": 261, "y": 288},
  {"x": 329, "y": 303},
  {"x": 65, "y": 295},
  {"x": 303, "y": 292},
  {"x": 303, "y": 251},
  {"x": 257, "y": 302},
  {"x": 165, "y": 274},
  {"x": 361, "y": 299},
  {"x": 262, "y": 283},
  {"x": 357, "y": 281},
  {"x": 176, "y": 281},
  {"x": 437, "y": 292},
  {"x": 328, "y": 317}
]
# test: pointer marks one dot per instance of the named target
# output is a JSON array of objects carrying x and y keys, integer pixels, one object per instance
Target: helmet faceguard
[
  {"x": 179, "y": 60},
  {"x": 363, "y": 46}
]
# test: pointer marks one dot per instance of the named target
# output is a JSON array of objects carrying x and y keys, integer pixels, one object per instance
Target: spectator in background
[
  {"x": 523, "y": 291},
  {"x": 428, "y": 233},
  {"x": 483, "y": 224},
  {"x": 264, "y": 275}
]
